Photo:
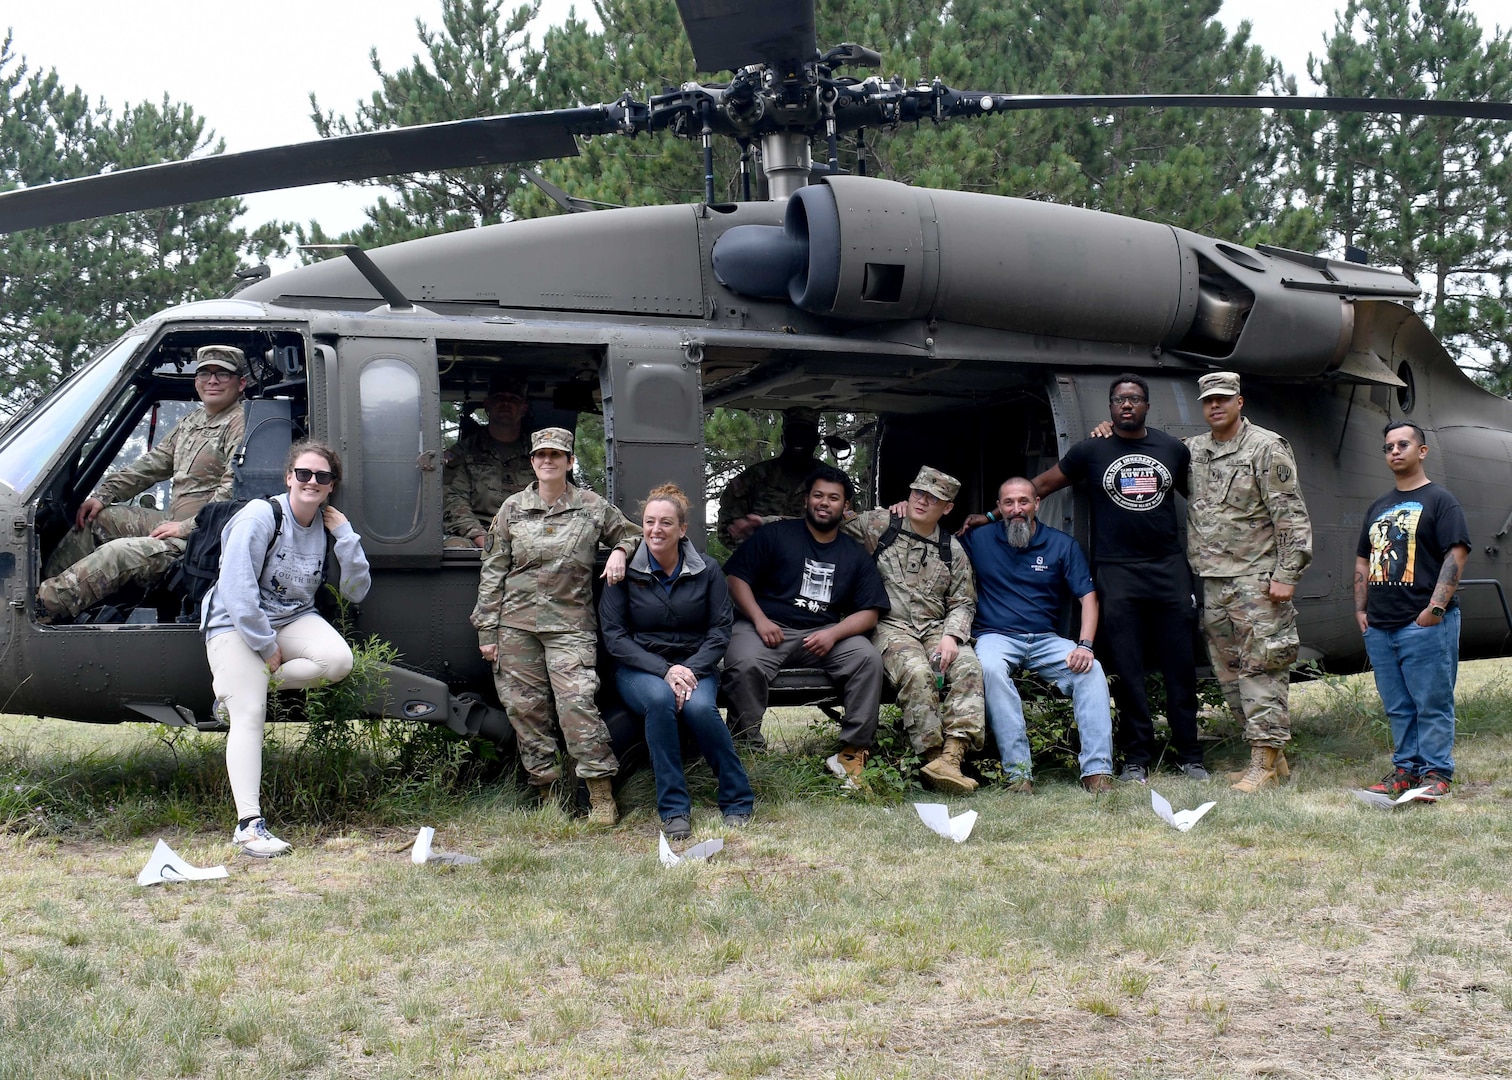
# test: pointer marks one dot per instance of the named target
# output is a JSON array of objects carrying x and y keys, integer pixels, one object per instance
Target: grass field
[{"x": 1295, "y": 933}]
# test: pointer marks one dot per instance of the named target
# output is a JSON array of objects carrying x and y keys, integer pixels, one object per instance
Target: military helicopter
[{"x": 981, "y": 331}]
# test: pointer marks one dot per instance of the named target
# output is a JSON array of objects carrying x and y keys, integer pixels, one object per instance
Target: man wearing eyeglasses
[
  {"x": 1144, "y": 586},
  {"x": 112, "y": 545},
  {"x": 1249, "y": 539},
  {"x": 1408, "y": 564},
  {"x": 487, "y": 466}
]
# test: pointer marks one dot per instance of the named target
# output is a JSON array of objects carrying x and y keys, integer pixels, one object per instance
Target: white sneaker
[{"x": 255, "y": 840}]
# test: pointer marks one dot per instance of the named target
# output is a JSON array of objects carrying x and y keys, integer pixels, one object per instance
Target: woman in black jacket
[{"x": 667, "y": 625}]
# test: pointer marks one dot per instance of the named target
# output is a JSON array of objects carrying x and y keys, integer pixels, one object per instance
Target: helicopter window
[
  {"x": 1406, "y": 395},
  {"x": 392, "y": 439},
  {"x": 30, "y": 446}
]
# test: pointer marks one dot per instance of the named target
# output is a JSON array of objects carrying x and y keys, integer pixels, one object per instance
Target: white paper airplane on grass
[
  {"x": 937, "y": 817},
  {"x": 167, "y": 865},
  {"x": 1180, "y": 819},
  {"x": 422, "y": 853},
  {"x": 1386, "y": 802},
  {"x": 698, "y": 851}
]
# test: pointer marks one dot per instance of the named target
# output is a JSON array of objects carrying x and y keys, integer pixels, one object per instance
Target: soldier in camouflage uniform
[
  {"x": 933, "y": 604},
  {"x": 535, "y": 617},
  {"x": 112, "y": 546},
  {"x": 1249, "y": 539},
  {"x": 775, "y": 488},
  {"x": 487, "y": 466}
]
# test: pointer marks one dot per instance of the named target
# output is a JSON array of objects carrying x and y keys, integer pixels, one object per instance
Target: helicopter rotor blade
[
  {"x": 970, "y": 103},
  {"x": 729, "y": 34},
  {"x": 493, "y": 140}
]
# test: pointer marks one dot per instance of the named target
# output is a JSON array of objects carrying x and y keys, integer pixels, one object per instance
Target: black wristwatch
[{"x": 1084, "y": 644}]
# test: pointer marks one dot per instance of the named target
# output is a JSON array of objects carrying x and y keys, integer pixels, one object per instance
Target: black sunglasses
[{"x": 320, "y": 476}]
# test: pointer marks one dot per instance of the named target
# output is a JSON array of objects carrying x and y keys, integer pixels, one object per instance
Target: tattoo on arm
[
  {"x": 1360, "y": 590},
  {"x": 1448, "y": 581}
]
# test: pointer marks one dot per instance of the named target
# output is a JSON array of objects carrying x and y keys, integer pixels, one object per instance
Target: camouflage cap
[
  {"x": 506, "y": 384},
  {"x": 220, "y": 357},
  {"x": 1218, "y": 384},
  {"x": 801, "y": 414},
  {"x": 941, "y": 485},
  {"x": 551, "y": 438}
]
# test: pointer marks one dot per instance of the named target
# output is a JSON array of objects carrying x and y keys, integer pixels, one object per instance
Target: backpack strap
[{"x": 895, "y": 529}]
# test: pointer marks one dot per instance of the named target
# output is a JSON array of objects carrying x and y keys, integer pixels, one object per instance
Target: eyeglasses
[
  {"x": 1129, "y": 399},
  {"x": 214, "y": 376},
  {"x": 1400, "y": 444},
  {"x": 320, "y": 476},
  {"x": 928, "y": 499}
]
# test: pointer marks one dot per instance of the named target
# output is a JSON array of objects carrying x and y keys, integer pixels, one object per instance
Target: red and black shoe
[
  {"x": 1435, "y": 785},
  {"x": 1399, "y": 781}
]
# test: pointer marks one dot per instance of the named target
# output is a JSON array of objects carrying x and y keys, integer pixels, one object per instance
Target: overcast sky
[{"x": 249, "y": 68}]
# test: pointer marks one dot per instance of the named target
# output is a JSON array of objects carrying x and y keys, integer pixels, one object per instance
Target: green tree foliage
[
  {"x": 1427, "y": 194},
  {"x": 67, "y": 290}
]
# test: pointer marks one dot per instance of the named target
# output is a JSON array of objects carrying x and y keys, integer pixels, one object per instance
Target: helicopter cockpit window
[
  {"x": 392, "y": 439},
  {"x": 27, "y": 449}
]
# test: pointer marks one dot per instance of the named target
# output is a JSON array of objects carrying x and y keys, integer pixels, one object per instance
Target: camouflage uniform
[
  {"x": 770, "y": 489},
  {"x": 481, "y": 473},
  {"x": 114, "y": 550},
  {"x": 928, "y": 601},
  {"x": 1246, "y": 526},
  {"x": 535, "y": 601}
]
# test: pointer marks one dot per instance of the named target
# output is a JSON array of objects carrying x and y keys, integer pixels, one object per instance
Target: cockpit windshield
[{"x": 33, "y": 442}]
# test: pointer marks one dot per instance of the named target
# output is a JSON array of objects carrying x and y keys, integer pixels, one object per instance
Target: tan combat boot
[
  {"x": 943, "y": 769},
  {"x": 1283, "y": 770},
  {"x": 1261, "y": 772},
  {"x": 601, "y": 808}
]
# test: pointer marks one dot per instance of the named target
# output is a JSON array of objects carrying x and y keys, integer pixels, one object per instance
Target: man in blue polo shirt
[{"x": 1025, "y": 573}]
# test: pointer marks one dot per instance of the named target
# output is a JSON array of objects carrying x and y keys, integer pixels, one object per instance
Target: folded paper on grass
[
  {"x": 167, "y": 865},
  {"x": 937, "y": 817},
  {"x": 704, "y": 850},
  {"x": 1180, "y": 819}
]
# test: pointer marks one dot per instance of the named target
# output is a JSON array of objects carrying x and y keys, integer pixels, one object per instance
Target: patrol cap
[
  {"x": 801, "y": 414},
  {"x": 551, "y": 438},
  {"x": 1218, "y": 384},
  {"x": 941, "y": 485},
  {"x": 220, "y": 358},
  {"x": 506, "y": 384}
]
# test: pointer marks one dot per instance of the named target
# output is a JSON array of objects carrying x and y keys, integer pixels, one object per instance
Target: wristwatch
[
  {"x": 1437, "y": 612},
  {"x": 1084, "y": 644}
]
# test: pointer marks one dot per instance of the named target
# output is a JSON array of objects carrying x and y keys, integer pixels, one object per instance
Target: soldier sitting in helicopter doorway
[
  {"x": 487, "y": 465},
  {"x": 112, "y": 546},
  {"x": 775, "y": 488}
]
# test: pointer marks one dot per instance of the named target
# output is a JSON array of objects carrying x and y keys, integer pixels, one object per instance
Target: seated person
[
  {"x": 112, "y": 546},
  {"x": 933, "y": 596},
  {"x": 667, "y": 625},
  {"x": 1025, "y": 571},
  {"x": 776, "y": 487},
  {"x": 805, "y": 596},
  {"x": 487, "y": 466}
]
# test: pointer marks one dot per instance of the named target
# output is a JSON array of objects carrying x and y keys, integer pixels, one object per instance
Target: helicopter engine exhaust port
[{"x": 864, "y": 250}]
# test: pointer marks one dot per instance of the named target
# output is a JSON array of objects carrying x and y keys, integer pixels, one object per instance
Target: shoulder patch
[
  {"x": 489, "y": 543},
  {"x": 1283, "y": 472},
  {"x": 449, "y": 458}
]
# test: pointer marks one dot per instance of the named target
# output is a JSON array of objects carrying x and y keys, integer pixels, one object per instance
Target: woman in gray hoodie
[{"x": 260, "y": 619}]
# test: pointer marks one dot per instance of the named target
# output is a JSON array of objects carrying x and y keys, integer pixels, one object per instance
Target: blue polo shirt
[{"x": 1023, "y": 591}]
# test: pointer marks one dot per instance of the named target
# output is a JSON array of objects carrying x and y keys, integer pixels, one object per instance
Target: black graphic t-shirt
[
  {"x": 1129, "y": 484},
  {"x": 803, "y": 584},
  {"x": 1406, "y": 537}
]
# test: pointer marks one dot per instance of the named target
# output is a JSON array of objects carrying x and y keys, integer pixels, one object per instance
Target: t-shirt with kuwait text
[{"x": 803, "y": 584}]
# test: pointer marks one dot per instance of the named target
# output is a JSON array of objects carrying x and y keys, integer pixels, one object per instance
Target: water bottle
[{"x": 938, "y": 667}]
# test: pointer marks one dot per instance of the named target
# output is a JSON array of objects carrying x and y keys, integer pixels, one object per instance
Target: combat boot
[
  {"x": 943, "y": 769},
  {"x": 601, "y": 808},
  {"x": 1283, "y": 770},
  {"x": 1261, "y": 772}
]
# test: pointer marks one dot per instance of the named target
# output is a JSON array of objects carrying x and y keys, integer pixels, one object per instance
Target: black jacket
[{"x": 647, "y": 629}]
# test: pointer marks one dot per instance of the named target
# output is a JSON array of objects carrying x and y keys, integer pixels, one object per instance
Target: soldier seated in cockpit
[
  {"x": 487, "y": 466},
  {"x": 110, "y": 545}
]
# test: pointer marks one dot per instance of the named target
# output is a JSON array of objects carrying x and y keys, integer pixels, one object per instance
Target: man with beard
[
  {"x": 805, "y": 596},
  {"x": 1026, "y": 571},
  {"x": 1143, "y": 582},
  {"x": 775, "y": 488}
]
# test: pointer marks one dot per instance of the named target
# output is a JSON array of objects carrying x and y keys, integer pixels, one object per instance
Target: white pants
[{"x": 313, "y": 653}]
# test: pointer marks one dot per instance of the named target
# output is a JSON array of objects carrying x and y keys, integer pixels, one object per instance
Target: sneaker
[
  {"x": 1399, "y": 781},
  {"x": 678, "y": 827},
  {"x": 1134, "y": 774},
  {"x": 1021, "y": 785},
  {"x": 1193, "y": 770},
  {"x": 737, "y": 821},
  {"x": 1435, "y": 785},
  {"x": 847, "y": 765},
  {"x": 1097, "y": 784},
  {"x": 255, "y": 840}
]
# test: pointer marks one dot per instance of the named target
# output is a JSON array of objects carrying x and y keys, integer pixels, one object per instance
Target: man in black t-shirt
[
  {"x": 805, "y": 596},
  {"x": 1408, "y": 564},
  {"x": 1144, "y": 584}
]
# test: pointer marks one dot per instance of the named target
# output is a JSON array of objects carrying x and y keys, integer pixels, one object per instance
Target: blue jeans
[
  {"x": 1044, "y": 655},
  {"x": 651, "y": 697},
  {"x": 1415, "y": 668}
]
